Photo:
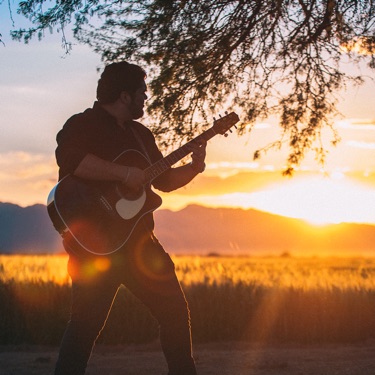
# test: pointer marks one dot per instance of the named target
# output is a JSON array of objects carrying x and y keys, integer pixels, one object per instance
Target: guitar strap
[{"x": 140, "y": 142}]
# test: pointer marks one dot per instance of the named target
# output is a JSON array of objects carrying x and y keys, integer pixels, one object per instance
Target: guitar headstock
[{"x": 223, "y": 124}]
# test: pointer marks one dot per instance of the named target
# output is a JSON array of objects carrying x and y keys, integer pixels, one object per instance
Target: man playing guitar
[{"x": 88, "y": 146}]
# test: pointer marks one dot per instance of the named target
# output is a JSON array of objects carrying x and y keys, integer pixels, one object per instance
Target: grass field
[{"x": 284, "y": 299}]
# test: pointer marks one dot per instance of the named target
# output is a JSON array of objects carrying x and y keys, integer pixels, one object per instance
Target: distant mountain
[
  {"x": 200, "y": 230},
  {"x": 27, "y": 230},
  {"x": 237, "y": 231}
]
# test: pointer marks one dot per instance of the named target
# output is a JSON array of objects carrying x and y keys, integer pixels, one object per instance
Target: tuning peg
[
  {"x": 226, "y": 112},
  {"x": 225, "y": 135}
]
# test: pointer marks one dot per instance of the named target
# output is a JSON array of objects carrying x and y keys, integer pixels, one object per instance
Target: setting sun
[
  {"x": 320, "y": 200},
  {"x": 317, "y": 199}
]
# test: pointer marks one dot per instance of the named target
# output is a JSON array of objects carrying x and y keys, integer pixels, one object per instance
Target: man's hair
[{"x": 118, "y": 77}]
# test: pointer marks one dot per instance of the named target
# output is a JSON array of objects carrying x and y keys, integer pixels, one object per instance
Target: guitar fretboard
[{"x": 162, "y": 165}]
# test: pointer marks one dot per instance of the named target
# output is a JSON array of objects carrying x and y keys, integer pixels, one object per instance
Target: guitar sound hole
[{"x": 127, "y": 194}]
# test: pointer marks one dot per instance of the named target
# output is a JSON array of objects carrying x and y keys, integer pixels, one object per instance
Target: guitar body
[{"x": 99, "y": 218}]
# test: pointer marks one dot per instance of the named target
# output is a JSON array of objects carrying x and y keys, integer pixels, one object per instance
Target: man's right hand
[{"x": 134, "y": 178}]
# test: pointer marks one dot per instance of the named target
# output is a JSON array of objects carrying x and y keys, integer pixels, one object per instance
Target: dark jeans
[{"x": 148, "y": 272}]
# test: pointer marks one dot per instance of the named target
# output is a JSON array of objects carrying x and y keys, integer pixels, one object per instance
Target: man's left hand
[{"x": 198, "y": 149}]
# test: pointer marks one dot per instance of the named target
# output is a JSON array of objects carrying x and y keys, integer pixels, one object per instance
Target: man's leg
[
  {"x": 92, "y": 297},
  {"x": 151, "y": 277}
]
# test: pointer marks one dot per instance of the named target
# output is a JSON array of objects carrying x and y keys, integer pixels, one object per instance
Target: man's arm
[
  {"x": 176, "y": 178},
  {"x": 94, "y": 168}
]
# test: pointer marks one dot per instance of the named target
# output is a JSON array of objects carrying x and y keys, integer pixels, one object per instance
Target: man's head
[{"x": 119, "y": 79}]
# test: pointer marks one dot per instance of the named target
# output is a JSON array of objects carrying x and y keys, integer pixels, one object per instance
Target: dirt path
[{"x": 212, "y": 359}]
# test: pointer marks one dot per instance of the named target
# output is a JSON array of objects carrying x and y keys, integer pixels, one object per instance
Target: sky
[{"x": 40, "y": 88}]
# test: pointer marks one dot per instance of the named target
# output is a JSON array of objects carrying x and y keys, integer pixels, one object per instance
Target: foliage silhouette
[{"x": 265, "y": 58}]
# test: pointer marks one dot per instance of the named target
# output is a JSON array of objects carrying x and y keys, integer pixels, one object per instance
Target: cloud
[
  {"x": 25, "y": 90},
  {"x": 26, "y": 178},
  {"x": 366, "y": 178},
  {"x": 357, "y": 124},
  {"x": 262, "y": 125},
  {"x": 240, "y": 181},
  {"x": 361, "y": 145},
  {"x": 15, "y": 165},
  {"x": 232, "y": 165}
]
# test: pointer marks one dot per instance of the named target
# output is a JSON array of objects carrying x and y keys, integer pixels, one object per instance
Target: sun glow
[
  {"x": 321, "y": 200},
  {"x": 318, "y": 200},
  {"x": 363, "y": 45}
]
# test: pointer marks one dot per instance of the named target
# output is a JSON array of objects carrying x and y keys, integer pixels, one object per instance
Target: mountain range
[{"x": 201, "y": 230}]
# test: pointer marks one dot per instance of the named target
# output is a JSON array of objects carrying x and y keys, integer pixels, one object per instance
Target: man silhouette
[{"x": 87, "y": 146}]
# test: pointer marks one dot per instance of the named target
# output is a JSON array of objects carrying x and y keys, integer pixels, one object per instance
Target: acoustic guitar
[{"x": 100, "y": 220}]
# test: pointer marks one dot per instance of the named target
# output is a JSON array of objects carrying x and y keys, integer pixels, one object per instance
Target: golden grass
[
  {"x": 230, "y": 298},
  {"x": 34, "y": 268},
  {"x": 270, "y": 272}
]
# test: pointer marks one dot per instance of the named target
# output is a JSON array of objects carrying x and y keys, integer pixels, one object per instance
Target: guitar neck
[{"x": 162, "y": 165}]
